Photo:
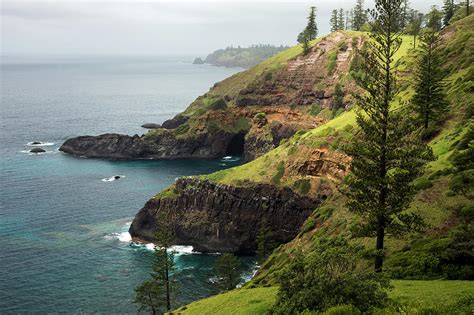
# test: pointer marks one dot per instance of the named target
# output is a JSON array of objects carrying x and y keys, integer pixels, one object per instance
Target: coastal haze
[{"x": 157, "y": 27}]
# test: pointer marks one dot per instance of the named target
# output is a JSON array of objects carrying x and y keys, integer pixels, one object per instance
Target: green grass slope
[
  {"x": 444, "y": 198},
  {"x": 409, "y": 296}
]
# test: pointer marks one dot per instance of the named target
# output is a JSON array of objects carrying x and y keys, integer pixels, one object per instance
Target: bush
[
  {"x": 330, "y": 276},
  {"x": 260, "y": 116},
  {"x": 308, "y": 225},
  {"x": 218, "y": 104},
  {"x": 462, "y": 182},
  {"x": 279, "y": 174},
  {"x": 332, "y": 62},
  {"x": 422, "y": 184},
  {"x": 212, "y": 126},
  {"x": 467, "y": 213},
  {"x": 314, "y": 110},
  {"x": 182, "y": 129},
  {"x": 303, "y": 186}
]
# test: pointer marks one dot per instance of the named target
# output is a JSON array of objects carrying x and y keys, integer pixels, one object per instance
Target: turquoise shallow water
[{"x": 62, "y": 241}]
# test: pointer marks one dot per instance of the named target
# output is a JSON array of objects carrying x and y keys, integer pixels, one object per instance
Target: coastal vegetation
[
  {"x": 357, "y": 181},
  {"x": 427, "y": 223},
  {"x": 242, "y": 57}
]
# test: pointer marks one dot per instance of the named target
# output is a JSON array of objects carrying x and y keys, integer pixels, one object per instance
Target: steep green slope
[
  {"x": 445, "y": 191},
  {"x": 413, "y": 296}
]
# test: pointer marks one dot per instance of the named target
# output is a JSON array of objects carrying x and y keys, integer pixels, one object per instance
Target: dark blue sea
[{"x": 64, "y": 246}]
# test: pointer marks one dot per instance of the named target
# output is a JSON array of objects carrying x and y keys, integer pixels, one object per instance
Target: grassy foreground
[{"x": 416, "y": 295}]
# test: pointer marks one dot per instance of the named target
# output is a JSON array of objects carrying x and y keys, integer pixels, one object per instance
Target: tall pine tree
[
  {"x": 157, "y": 293},
  {"x": 429, "y": 100},
  {"x": 387, "y": 155},
  {"x": 448, "y": 10},
  {"x": 312, "y": 28},
  {"x": 340, "y": 20},
  {"x": 434, "y": 19},
  {"x": 414, "y": 27},
  {"x": 333, "y": 21},
  {"x": 310, "y": 32},
  {"x": 360, "y": 16},
  {"x": 227, "y": 269}
]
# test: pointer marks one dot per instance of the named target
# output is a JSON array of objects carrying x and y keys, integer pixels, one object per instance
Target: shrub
[
  {"x": 279, "y": 173},
  {"x": 331, "y": 66},
  {"x": 260, "y": 116},
  {"x": 467, "y": 213},
  {"x": 212, "y": 126},
  {"x": 314, "y": 109},
  {"x": 342, "y": 46},
  {"x": 218, "y": 104},
  {"x": 292, "y": 150},
  {"x": 422, "y": 184},
  {"x": 462, "y": 182},
  {"x": 308, "y": 225},
  {"x": 241, "y": 124},
  {"x": 182, "y": 129},
  {"x": 325, "y": 114},
  {"x": 302, "y": 185},
  {"x": 328, "y": 277}
]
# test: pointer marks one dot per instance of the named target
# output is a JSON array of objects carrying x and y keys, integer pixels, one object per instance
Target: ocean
[{"x": 64, "y": 245}]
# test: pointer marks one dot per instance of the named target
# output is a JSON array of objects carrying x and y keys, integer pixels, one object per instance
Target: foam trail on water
[
  {"x": 112, "y": 178},
  {"x": 31, "y": 144}
]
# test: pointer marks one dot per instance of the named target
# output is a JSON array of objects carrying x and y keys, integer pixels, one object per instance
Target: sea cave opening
[{"x": 236, "y": 144}]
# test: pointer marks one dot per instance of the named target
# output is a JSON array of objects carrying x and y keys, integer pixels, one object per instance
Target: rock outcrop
[
  {"x": 151, "y": 126},
  {"x": 165, "y": 146},
  {"x": 37, "y": 150},
  {"x": 220, "y": 218}
]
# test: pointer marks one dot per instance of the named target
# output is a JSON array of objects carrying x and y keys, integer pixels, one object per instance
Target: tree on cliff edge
[
  {"x": 310, "y": 32},
  {"x": 387, "y": 154},
  {"x": 157, "y": 293}
]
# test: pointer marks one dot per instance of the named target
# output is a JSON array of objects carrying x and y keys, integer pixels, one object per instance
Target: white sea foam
[
  {"x": 230, "y": 158},
  {"x": 31, "y": 144},
  {"x": 112, "y": 178},
  {"x": 39, "y": 153},
  {"x": 184, "y": 250}
]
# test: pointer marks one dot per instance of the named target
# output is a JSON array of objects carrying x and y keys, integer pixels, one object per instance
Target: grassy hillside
[
  {"x": 444, "y": 198},
  {"x": 411, "y": 296}
]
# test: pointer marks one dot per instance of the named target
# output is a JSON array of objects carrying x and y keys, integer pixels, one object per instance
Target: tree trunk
[
  {"x": 379, "y": 245},
  {"x": 167, "y": 283},
  {"x": 467, "y": 8},
  {"x": 153, "y": 310},
  {"x": 414, "y": 41}
]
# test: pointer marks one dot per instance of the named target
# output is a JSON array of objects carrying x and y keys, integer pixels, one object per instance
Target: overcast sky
[{"x": 128, "y": 27}]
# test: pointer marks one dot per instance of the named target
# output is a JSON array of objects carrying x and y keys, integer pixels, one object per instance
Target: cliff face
[
  {"x": 290, "y": 89},
  {"x": 221, "y": 218}
]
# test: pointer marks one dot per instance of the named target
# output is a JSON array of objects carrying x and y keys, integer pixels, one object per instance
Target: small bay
[{"x": 63, "y": 241}]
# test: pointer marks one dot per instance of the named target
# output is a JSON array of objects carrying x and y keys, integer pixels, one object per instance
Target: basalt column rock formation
[{"x": 221, "y": 218}]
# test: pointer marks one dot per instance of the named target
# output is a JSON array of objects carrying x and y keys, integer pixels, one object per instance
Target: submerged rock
[
  {"x": 117, "y": 177},
  {"x": 37, "y": 150},
  {"x": 36, "y": 142},
  {"x": 220, "y": 218}
]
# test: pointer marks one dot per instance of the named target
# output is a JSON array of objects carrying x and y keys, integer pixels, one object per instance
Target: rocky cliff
[
  {"x": 294, "y": 91},
  {"x": 221, "y": 218}
]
